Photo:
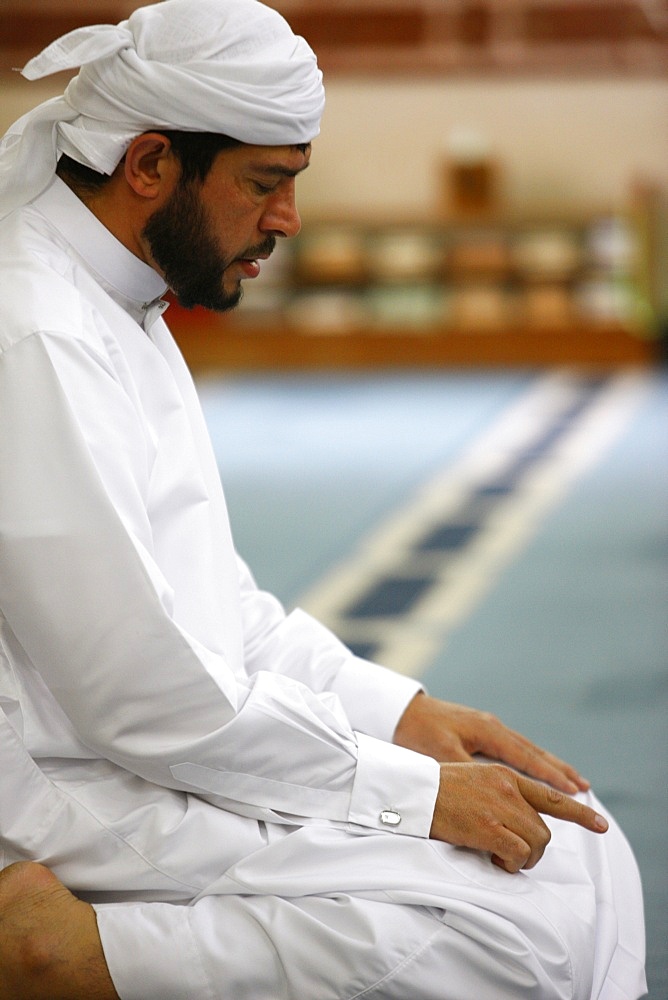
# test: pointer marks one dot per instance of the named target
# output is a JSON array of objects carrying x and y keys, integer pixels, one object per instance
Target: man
[{"x": 243, "y": 808}]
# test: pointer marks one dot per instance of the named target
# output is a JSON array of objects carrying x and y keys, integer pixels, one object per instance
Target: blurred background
[
  {"x": 484, "y": 165},
  {"x": 441, "y": 413}
]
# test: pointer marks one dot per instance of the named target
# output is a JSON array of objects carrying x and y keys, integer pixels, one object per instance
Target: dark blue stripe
[
  {"x": 396, "y": 595},
  {"x": 389, "y": 597}
]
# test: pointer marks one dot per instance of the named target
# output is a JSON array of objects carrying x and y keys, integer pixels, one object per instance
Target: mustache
[{"x": 263, "y": 249}]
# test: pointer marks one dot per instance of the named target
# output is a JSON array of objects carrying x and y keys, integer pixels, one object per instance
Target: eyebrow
[{"x": 277, "y": 169}]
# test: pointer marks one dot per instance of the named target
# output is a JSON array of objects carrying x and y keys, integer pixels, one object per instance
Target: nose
[{"x": 280, "y": 217}]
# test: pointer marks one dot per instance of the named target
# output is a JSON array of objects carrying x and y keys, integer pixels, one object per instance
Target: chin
[{"x": 218, "y": 302}]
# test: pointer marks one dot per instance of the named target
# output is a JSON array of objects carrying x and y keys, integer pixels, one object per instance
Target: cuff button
[{"x": 390, "y": 817}]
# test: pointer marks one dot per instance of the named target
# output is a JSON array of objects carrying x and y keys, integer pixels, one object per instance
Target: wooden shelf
[
  {"x": 224, "y": 343},
  {"x": 418, "y": 308}
]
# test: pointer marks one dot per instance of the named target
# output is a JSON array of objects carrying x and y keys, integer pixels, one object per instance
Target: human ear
[{"x": 149, "y": 164}]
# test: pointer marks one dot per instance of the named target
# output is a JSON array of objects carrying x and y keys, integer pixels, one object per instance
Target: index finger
[{"x": 552, "y": 802}]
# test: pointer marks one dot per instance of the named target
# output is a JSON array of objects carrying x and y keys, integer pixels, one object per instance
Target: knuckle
[
  {"x": 532, "y": 861},
  {"x": 522, "y": 858},
  {"x": 505, "y": 782},
  {"x": 496, "y": 830},
  {"x": 545, "y": 836},
  {"x": 497, "y": 838},
  {"x": 529, "y": 858},
  {"x": 499, "y": 844},
  {"x": 554, "y": 796}
]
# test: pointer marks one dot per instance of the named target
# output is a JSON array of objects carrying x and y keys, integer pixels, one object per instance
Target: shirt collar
[{"x": 134, "y": 285}]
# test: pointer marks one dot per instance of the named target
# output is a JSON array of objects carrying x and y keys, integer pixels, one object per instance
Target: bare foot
[{"x": 50, "y": 948}]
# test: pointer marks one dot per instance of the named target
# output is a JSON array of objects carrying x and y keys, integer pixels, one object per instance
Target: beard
[{"x": 184, "y": 246}]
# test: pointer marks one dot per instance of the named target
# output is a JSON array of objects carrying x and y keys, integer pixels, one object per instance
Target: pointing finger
[{"x": 552, "y": 802}]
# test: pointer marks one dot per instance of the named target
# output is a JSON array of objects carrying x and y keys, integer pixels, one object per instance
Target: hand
[
  {"x": 488, "y": 807},
  {"x": 450, "y": 732}
]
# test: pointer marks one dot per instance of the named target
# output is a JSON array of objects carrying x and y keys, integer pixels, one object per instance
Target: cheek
[{"x": 230, "y": 227}]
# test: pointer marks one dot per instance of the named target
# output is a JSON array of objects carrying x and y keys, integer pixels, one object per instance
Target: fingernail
[{"x": 601, "y": 823}]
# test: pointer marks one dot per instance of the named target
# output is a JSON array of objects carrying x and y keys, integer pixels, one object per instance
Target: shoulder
[{"x": 36, "y": 276}]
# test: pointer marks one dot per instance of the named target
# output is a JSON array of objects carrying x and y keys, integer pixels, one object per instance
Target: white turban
[{"x": 228, "y": 66}]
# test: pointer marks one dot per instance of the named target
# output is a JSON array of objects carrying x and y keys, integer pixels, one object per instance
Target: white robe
[{"x": 171, "y": 735}]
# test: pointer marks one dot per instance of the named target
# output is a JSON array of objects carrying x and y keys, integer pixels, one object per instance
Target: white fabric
[
  {"x": 168, "y": 734},
  {"x": 129, "y": 633},
  {"x": 321, "y": 912},
  {"x": 330, "y": 920},
  {"x": 228, "y": 66}
]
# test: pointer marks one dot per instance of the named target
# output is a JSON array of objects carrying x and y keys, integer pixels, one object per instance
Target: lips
[{"x": 251, "y": 268}]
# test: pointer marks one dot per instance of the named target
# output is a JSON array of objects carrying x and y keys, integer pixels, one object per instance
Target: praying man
[{"x": 201, "y": 795}]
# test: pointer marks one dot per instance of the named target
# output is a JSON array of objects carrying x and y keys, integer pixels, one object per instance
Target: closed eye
[{"x": 264, "y": 188}]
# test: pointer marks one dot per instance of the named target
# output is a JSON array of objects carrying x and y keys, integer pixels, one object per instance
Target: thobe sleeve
[
  {"x": 89, "y": 606},
  {"x": 299, "y": 646}
]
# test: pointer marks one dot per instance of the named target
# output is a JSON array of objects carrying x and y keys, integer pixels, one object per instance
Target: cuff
[
  {"x": 394, "y": 789},
  {"x": 373, "y": 697}
]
